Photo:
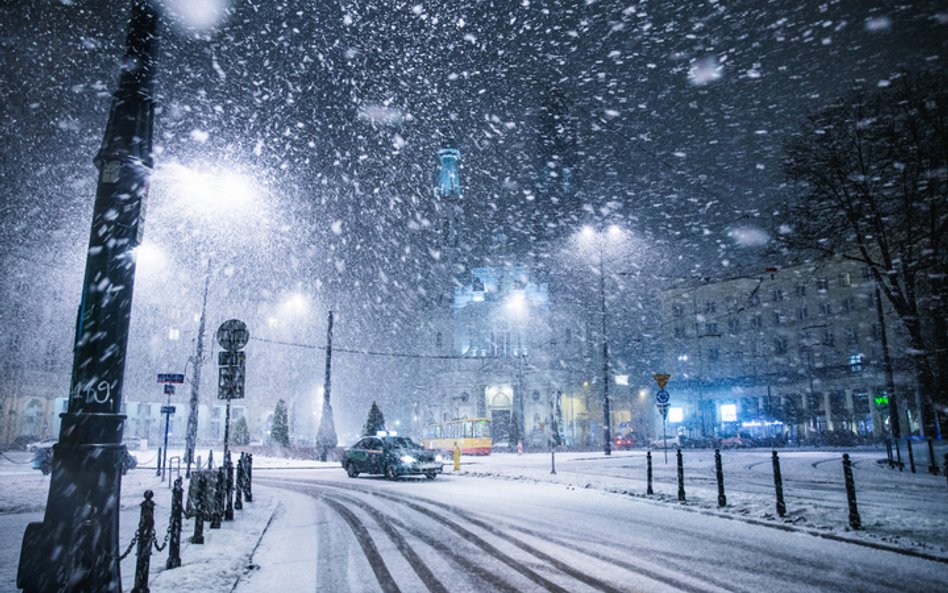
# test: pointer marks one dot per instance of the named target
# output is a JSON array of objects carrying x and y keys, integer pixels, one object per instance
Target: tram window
[{"x": 468, "y": 429}]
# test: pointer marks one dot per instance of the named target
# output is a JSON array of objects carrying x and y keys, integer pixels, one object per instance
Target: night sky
[{"x": 337, "y": 109}]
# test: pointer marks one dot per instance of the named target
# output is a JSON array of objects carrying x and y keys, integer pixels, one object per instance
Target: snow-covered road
[{"x": 461, "y": 533}]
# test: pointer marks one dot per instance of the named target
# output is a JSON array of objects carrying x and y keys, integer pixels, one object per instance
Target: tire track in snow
[{"x": 564, "y": 567}]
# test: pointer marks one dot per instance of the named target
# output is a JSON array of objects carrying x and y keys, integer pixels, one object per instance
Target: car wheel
[
  {"x": 46, "y": 468},
  {"x": 351, "y": 470},
  {"x": 390, "y": 472},
  {"x": 431, "y": 475}
]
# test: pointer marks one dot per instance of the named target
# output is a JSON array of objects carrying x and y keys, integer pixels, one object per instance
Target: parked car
[
  {"x": 40, "y": 444},
  {"x": 735, "y": 441},
  {"x": 392, "y": 456},
  {"x": 670, "y": 442},
  {"x": 625, "y": 441},
  {"x": 43, "y": 458}
]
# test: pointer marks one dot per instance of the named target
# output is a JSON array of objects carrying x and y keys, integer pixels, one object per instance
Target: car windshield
[{"x": 402, "y": 443}]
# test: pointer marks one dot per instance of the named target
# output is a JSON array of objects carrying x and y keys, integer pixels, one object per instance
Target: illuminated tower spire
[{"x": 449, "y": 198}]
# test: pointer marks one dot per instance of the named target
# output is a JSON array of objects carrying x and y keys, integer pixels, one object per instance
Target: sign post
[
  {"x": 661, "y": 402},
  {"x": 232, "y": 335},
  {"x": 170, "y": 380}
]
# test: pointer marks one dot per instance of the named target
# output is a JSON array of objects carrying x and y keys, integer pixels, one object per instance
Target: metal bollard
[
  {"x": 946, "y": 466},
  {"x": 146, "y": 537},
  {"x": 228, "y": 488},
  {"x": 932, "y": 466},
  {"x": 854, "y": 520},
  {"x": 888, "y": 453},
  {"x": 177, "y": 513},
  {"x": 778, "y": 485},
  {"x": 908, "y": 443},
  {"x": 248, "y": 494},
  {"x": 210, "y": 459},
  {"x": 217, "y": 511},
  {"x": 681, "y": 476},
  {"x": 719, "y": 474},
  {"x": 199, "y": 511},
  {"x": 239, "y": 485},
  {"x": 648, "y": 473},
  {"x": 158, "y": 463}
]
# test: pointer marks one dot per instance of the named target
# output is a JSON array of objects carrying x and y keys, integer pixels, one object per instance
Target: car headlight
[
  {"x": 408, "y": 459},
  {"x": 439, "y": 458}
]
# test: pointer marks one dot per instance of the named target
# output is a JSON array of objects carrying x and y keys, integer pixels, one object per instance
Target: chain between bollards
[
  {"x": 648, "y": 473},
  {"x": 778, "y": 485},
  {"x": 681, "y": 475},
  {"x": 854, "y": 521},
  {"x": 719, "y": 475}
]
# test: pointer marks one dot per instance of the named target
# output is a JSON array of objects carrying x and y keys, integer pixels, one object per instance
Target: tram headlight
[{"x": 439, "y": 458}]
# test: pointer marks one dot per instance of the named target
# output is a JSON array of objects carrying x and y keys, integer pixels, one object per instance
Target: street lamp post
[
  {"x": 75, "y": 548},
  {"x": 606, "y": 424},
  {"x": 196, "y": 380}
]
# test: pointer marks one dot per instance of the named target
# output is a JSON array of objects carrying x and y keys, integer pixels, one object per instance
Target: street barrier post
[
  {"x": 177, "y": 512},
  {"x": 719, "y": 474},
  {"x": 778, "y": 485},
  {"x": 146, "y": 537},
  {"x": 854, "y": 520},
  {"x": 681, "y": 476},
  {"x": 908, "y": 443},
  {"x": 648, "y": 473}
]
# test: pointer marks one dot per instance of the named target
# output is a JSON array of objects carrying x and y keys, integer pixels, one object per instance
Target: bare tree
[{"x": 871, "y": 172}]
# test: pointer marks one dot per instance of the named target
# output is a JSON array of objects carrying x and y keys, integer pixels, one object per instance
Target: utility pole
[
  {"x": 894, "y": 424},
  {"x": 326, "y": 433},
  {"x": 75, "y": 548},
  {"x": 194, "y": 403}
]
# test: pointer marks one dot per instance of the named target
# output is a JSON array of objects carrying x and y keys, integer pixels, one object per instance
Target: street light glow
[
  {"x": 587, "y": 232},
  {"x": 210, "y": 192}
]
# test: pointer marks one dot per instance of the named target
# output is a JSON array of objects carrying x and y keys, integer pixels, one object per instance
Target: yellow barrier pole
[{"x": 457, "y": 457}]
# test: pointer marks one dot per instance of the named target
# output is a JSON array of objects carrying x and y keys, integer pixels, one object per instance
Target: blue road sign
[
  {"x": 170, "y": 378},
  {"x": 169, "y": 388},
  {"x": 662, "y": 396},
  {"x": 167, "y": 409}
]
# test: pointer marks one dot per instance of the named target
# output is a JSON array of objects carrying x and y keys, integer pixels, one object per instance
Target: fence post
[
  {"x": 146, "y": 536},
  {"x": 719, "y": 474},
  {"x": 932, "y": 464},
  {"x": 199, "y": 510},
  {"x": 681, "y": 476},
  {"x": 888, "y": 453},
  {"x": 218, "y": 508},
  {"x": 239, "y": 486},
  {"x": 648, "y": 473},
  {"x": 228, "y": 488},
  {"x": 248, "y": 494},
  {"x": 908, "y": 443},
  {"x": 177, "y": 510},
  {"x": 778, "y": 485},
  {"x": 854, "y": 520}
]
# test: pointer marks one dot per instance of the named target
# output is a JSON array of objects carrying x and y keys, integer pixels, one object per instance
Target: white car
[
  {"x": 44, "y": 444},
  {"x": 670, "y": 442}
]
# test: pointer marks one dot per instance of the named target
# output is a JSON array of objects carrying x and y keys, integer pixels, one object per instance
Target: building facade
[{"x": 795, "y": 353}]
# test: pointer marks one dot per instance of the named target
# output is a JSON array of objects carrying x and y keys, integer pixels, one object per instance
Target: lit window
[
  {"x": 728, "y": 412},
  {"x": 855, "y": 363},
  {"x": 174, "y": 334},
  {"x": 622, "y": 379},
  {"x": 676, "y": 414}
]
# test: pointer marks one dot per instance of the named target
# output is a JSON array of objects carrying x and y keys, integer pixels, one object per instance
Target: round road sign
[
  {"x": 662, "y": 396},
  {"x": 233, "y": 335}
]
